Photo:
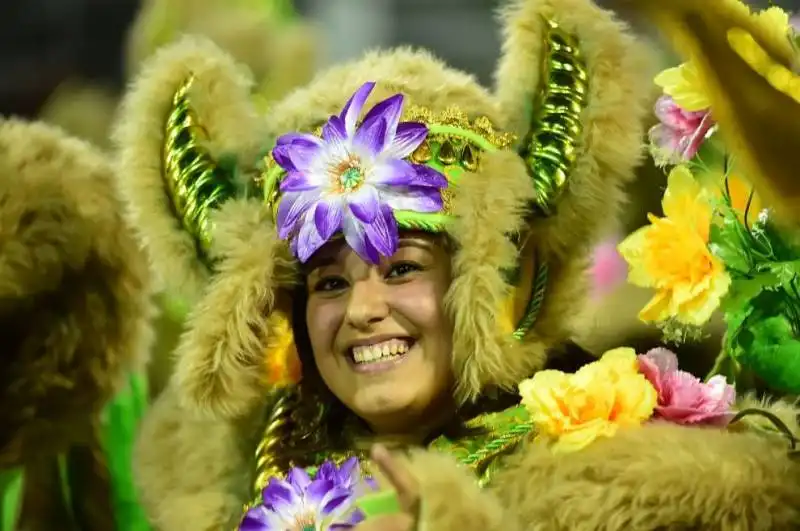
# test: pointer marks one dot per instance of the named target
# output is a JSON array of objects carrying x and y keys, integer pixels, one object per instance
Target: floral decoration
[
  {"x": 620, "y": 391},
  {"x": 682, "y": 397},
  {"x": 353, "y": 178},
  {"x": 717, "y": 247},
  {"x": 572, "y": 410},
  {"x": 672, "y": 256},
  {"x": 325, "y": 502}
]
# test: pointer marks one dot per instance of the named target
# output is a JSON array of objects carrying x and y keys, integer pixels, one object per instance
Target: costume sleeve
[
  {"x": 191, "y": 472},
  {"x": 659, "y": 476},
  {"x": 452, "y": 499}
]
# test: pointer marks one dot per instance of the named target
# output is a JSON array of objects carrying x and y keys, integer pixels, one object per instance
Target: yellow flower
[
  {"x": 684, "y": 85},
  {"x": 672, "y": 256},
  {"x": 572, "y": 410}
]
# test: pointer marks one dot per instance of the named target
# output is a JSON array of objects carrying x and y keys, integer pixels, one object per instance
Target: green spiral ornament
[{"x": 195, "y": 183}]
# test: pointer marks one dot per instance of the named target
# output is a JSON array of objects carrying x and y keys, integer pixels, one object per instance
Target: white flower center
[{"x": 348, "y": 175}]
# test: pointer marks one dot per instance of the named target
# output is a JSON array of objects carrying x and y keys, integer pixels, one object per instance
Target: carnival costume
[
  {"x": 522, "y": 182},
  {"x": 74, "y": 314}
]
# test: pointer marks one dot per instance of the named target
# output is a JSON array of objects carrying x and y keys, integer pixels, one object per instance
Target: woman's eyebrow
[{"x": 415, "y": 242}]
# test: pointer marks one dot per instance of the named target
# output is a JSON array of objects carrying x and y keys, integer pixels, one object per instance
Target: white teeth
[{"x": 380, "y": 351}]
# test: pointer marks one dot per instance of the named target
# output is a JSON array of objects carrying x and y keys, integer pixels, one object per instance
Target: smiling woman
[
  {"x": 419, "y": 246},
  {"x": 380, "y": 336}
]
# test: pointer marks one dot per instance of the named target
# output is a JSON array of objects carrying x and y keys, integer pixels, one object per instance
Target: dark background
[{"x": 44, "y": 42}]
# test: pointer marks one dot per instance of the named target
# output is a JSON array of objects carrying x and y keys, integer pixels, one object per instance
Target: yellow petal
[
  {"x": 657, "y": 309},
  {"x": 699, "y": 310},
  {"x": 543, "y": 397},
  {"x": 636, "y": 399},
  {"x": 632, "y": 250},
  {"x": 684, "y": 85},
  {"x": 622, "y": 360}
]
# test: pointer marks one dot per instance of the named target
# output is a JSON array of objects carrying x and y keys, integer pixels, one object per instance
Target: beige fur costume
[
  {"x": 74, "y": 315},
  {"x": 196, "y": 451}
]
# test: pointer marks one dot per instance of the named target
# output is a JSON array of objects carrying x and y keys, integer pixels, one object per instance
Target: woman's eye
[
  {"x": 402, "y": 269},
  {"x": 330, "y": 284}
]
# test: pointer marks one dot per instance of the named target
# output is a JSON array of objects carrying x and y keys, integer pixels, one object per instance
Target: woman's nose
[{"x": 367, "y": 304}]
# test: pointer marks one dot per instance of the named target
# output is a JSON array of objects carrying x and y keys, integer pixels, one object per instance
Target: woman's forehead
[{"x": 337, "y": 250}]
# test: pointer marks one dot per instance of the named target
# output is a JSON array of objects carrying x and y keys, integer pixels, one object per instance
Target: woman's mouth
[{"x": 380, "y": 356}]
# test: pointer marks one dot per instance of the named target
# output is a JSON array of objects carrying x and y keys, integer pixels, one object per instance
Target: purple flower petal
[
  {"x": 356, "y": 238},
  {"x": 309, "y": 239},
  {"x": 352, "y": 108},
  {"x": 302, "y": 139},
  {"x": 292, "y": 207},
  {"x": 258, "y": 519},
  {"x": 297, "y": 156},
  {"x": 328, "y": 217},
  {"x": 370, "y": 138},
  {"x": 382, "y": 233},
  {"x": 280, "y": 494},
  {"x": 317, "y": 491},
  {"x": 390, "y": 110},
  {"x": 408, "y": 137},
  {"x": 393, "y": 172},
  {"x": 336, "y": 501},
  {"x": 348, "y": 472},
  {"x": 365, "y": 203},
  {"x": 427, "y": 176},
  {"x": 416, "y": 199},
  {"x": 298, "y": 478},
  {"x": 296, "y": 181},
  {"x": 326, "y": 471},
  {"x": 334, "y": 132}
]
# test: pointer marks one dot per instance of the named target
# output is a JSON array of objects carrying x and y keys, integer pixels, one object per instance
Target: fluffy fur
[
  {"x": 221, "y": 100},
  {"x": 220, "y": 366},
  {"x": 74, "y": 293},
  {"x": 193, "y": 473}
]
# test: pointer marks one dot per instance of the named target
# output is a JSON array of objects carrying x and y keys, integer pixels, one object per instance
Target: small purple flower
[
  {"x": 680, "y": 134},
  {"x": 300, "y": 503},
  {"x": 353, "y": 179}
]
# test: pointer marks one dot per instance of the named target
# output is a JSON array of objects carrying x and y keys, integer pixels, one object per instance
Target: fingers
[{"x": 400, "y": 477}]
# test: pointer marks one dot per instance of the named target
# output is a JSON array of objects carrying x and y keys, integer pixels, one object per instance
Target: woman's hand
[{"x": 398, "y": 476}]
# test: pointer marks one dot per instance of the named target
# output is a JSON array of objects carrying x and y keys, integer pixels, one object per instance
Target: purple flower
[
  {"x": 300, "y": 503},
  {"x": 353, "y": 179},
  {"x": 680, "y": 134}
]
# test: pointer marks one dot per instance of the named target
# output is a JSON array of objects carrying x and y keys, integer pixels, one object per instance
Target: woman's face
[{"x": 380, "y": 336}]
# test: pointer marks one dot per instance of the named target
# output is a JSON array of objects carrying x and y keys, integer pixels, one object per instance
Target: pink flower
[
  {"x": 680, "y": 134},
  {"x": 608, "y": 269},
  {"x": 683, "y": 398}
]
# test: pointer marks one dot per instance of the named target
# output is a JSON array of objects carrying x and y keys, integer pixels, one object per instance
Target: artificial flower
[
  {"x": 682, "y": 397},
  {"x": 572, "y": 410},
  {"x": 300, "y": 503},
  {"x": 608, "y": 268},
  {"x": 685, "y": 86},
  {"x": 680, "y": 134},
  {"x": 672, "y": 256},
  {"x": 353, "y": 178}
]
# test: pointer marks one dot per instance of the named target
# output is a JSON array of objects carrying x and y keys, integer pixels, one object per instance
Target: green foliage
[{"x": 762, "y": 307}]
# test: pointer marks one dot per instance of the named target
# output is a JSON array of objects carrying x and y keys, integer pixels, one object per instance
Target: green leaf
[
  {"x": 724, "y": 239},
  {"x": 770, "y": 349},
  {"x": 741, "y": 292},
  {"x": 784, "y": 272}
]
